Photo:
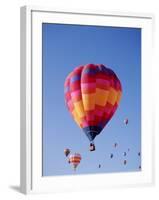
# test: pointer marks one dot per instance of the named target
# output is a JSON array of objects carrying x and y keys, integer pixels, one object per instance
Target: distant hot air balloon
[
  {"x": 139, "y": 167},
  {"x": 75, "y": 159},
  {"x": 125, "y": 162},
  {"x": 66, "y": 152},
  {"x": 99, "y": 166},
  {"x": 92, "y": 95},
  {"x": 111, "y": 155},
  {"x": 126, "y": 121},
  {"x": 139, "y": 153},
  {"x": 115, "y": 145},
  {"x": 124, "y": 153}
]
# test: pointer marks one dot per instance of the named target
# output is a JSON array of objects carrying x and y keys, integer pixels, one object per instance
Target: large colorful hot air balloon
[
  {"x": 75, "y": 159},
  {"x": 92, "y": 95}
]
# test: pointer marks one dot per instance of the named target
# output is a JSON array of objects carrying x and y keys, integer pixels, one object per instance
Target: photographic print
[{"x": 91, "y": 99}]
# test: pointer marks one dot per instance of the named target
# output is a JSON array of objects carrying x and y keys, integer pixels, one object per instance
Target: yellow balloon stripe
[
  {"x": 101, "y": 97},
  {"x": 79, "y": 109},
  {"x": 119, "y": 97},
  {"x": 76, "y": 118},
  {"x": 112, "y": 96},
  {"x": 88, "y": 101}
]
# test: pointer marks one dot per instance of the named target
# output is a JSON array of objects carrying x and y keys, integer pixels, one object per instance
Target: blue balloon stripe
[
  {"x": 91, "y": 71},
  {"x": 75, "y": 78},
  {"x": 66, "y": 89}
]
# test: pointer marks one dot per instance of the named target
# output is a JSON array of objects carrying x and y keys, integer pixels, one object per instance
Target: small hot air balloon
[
  {"x": 139, "y": 167},
  {"x": 75, "y": 159},
  {"x": 125, "y": 162},
  {"x": 115, "y": 145},
  {"x": 139, "y": 153},
  {"x": 111, "y": 155},
  {"x": 126, "y": 121},
  {"x": 124, "y": 153},
  {"x": 66, "y": 152},
  {"x": 92, "y": 95},
  {"x": 99, "y": 166}
]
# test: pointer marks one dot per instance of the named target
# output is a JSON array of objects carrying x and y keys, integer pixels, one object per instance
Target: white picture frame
[{"x": 31, "y": 102}]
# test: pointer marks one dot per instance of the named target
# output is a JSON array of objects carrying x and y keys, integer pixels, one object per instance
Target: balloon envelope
[
  {"x": 125, "y": 162},
  {"x": 126, "y": 121},
  {"x": 66, "y": 152},
  {"x": 92, "y": 95},
  {"x": 124, "y": 153},
  {"x": 75, "y": 159},
  {"x": 111, "y": 155},
  {"x": 115, "y": 144}
]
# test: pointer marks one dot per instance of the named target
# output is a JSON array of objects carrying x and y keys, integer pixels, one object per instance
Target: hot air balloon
[
  {"x": 125, "y": 162},
  {"x": 75, "y": 159},
  {"x": 124, "y": 153},
  {"x": 99, "y": 166},
  {"x": 66, "y": 152},
  {"x": 126, "y": 121},
  {"x": 111, "y": 155},
  {"x": 92, "y": 95},
  {"x": 139, "y": 153},
  {"x": 115, "y": 145}
]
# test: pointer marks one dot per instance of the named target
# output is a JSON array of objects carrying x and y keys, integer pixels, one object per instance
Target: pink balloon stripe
[
  {"x": 88, "y": 85},
  {"x": 103, "y": 82}
]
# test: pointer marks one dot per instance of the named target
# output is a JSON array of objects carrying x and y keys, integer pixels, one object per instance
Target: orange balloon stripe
[{"x": 75, "y": 160}]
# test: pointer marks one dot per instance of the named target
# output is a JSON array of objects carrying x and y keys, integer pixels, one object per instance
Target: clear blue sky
[{"x": 66, "y": 47}]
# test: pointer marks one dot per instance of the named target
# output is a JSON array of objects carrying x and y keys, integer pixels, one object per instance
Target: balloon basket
[{"x": 92, "y": 147}]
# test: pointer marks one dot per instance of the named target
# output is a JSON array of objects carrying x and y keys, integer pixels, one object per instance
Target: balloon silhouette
[
  {"x": 111, "y": 155},
  {"x": 115, "y": 145},
  {"x": 124, "y": 153},
  {"x": 125, "y": 162},
  {"x": 92, "y": 95},
  {"x": 66, "y": 152},
  {"x": 126, "y": 121}
]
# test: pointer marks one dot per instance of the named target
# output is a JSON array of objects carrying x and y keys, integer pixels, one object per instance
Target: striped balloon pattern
[
  {"x": 75, "y": 160},
  {"x": 92, "y": 95}
]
